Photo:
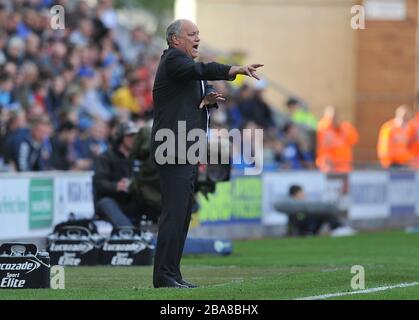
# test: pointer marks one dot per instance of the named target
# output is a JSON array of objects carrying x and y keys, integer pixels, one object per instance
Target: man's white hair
[{"x": 173, "y": 29}]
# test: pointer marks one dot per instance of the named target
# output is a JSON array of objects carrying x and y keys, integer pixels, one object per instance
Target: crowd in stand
[{"x": 63, "y": 92}]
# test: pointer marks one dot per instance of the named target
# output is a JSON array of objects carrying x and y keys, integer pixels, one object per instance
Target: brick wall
[{"x": 386, "y": 73}]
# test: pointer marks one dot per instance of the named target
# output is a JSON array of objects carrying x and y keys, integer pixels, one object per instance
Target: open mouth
[{"x": 196, "y": 46}]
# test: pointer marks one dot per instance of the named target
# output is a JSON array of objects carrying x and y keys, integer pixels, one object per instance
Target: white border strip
[{"x": 340, "y": 294}]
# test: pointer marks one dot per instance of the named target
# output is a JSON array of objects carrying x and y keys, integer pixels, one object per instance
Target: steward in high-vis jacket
[{"x": 335, "y": 140}]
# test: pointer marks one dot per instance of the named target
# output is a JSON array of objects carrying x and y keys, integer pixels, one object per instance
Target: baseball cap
[{"x": 128, "y": 128}]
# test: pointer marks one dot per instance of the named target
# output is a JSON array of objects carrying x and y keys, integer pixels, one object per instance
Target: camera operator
[
  {"x": 113, "y": 198},
  {"x": 146, "y": 179}
]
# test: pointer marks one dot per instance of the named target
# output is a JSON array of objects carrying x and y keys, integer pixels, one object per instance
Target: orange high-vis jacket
[
  {"x": 393, "y": 142},
  {"x": 413, "y": 133},
  {"x": 334, "y": 146}
]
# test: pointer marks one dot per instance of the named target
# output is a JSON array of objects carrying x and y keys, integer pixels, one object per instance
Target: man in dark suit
[{"x": 181, "y": 95}]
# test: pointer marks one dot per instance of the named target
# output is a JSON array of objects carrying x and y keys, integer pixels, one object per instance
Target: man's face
[
  {"x": 402, "y": 114},
  {"x": 71, "y": 136},
  {"x": 299, "y": 195},
  {"x": 128, "y": 141},
  {"x": 41, "y": 132},
  {"x": 188, "y": 41}
]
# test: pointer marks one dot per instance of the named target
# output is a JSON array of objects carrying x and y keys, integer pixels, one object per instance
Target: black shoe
[
  {"x": 169, "y": 284},
  {"x": 186, "y": 283}
]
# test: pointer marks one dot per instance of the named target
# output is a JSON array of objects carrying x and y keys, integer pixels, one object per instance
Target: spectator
[
  {"x": 91, "y": 102},
  {"x": 27, "y": 76},
  {"x": 94, "y": 142},
  {"x": 300, "y": 115},
  {"x": 63, "y": 155},
  {"x": 6, "y": 88},
  {"x": 108, "y": 14},
  {"x": 55, "y": 96},
  {"x": 72, "y": 102},
  {"x": 84, "y": 32},
  {"x": 135, "y": 48},
  {"x": 3, "y": 136},
  {"x": 256, "y": 109},
  {"x": 272, "y": 149},
  {"x": 295, "y": 154},
  {"x": 30, "y": 153},
  {"x": 54, "y": 59},
  {"x": 15, "y": 50},
  {"x": 16, "y": 129},
  {"x": 335, "y": 140},
  {"x": 33, "y": 45},
  {"x": 235, "y": 118},
  {"x": 127, "y": 96},
  {"x": 393, "y": 140}
]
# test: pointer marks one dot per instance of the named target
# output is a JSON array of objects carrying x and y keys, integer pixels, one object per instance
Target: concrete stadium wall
[{"x": 307, "y": 46}]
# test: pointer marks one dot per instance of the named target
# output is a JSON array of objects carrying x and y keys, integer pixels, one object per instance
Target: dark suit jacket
[{"x": 177, "y": 93}]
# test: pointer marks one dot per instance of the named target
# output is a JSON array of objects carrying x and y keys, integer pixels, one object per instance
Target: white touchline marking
[{"x": 340, "y": 294}]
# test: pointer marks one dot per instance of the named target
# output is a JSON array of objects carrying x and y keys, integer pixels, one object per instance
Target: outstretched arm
[{"x": 182, "y": 67}]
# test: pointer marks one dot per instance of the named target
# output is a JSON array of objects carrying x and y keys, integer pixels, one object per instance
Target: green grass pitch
[{"x": 267, "y": 269}]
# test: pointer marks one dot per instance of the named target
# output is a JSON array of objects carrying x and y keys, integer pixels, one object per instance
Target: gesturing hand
[
  {"x": 123, "y": 185},
  {"x": 211, "y": 98},
  {"x": 249, "y": 70}
]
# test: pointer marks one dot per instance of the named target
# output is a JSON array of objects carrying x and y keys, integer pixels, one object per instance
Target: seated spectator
[
  {"x": 295, "y": 154},
  {"x": 55, "y": 95},
  {"x": 33, "y": 44},
  {"x": 15, "y": 50},
  {"x": 84, "y": 32},
  {"x": 127, "y": 97},
  {"x": 247, "y": 153},
  {"x": 54, "y": 61},
  {"x": 135, "y": 48},
  {"x": 6, "y": 91},
  {"x": 256, "y": 108},
  {"x": 63, "y": 155},
  {"x": 300, "y": 115},
  {"x": 72, "y": 102},
  {"x": 16, "y": 129},
  {"x": 91, "y": 102},
  {"x": 272, "y": 149},
  {"x": 235, "y": 118},
  {"x": 393, "y": 140},
  {"x": 27, "y": 76},
  {"x": 335, "y": 140},
  {"x": 3, "y": 135},
  {"x": 39, "y": 98},
  {"x": 93, "y": 142},
  {"x": 29, "y": 151}
]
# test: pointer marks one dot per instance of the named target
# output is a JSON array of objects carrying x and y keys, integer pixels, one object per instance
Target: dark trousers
[
  {"x": 126, "y": 213},
  {"x": 177, "y": 187},
  {"x": 310, "y": 224}
]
